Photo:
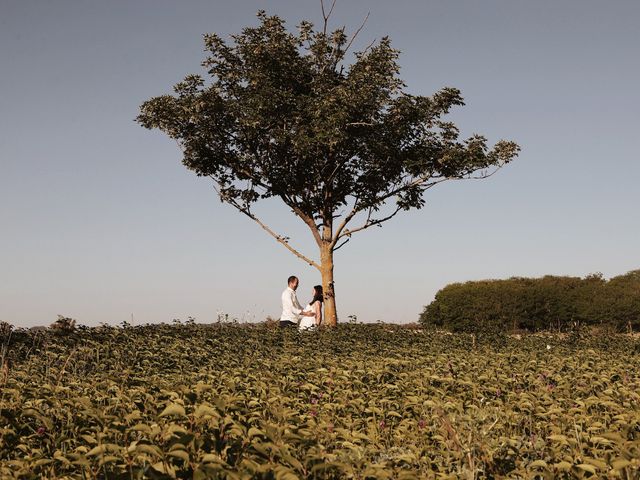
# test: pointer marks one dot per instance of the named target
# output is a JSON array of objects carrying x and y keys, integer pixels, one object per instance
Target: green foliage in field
[
  {"x": 533, "y": 304},
  {"x": 357, "y": 401}
]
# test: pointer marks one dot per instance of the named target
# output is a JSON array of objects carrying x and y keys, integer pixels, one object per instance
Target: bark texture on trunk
[{"x": 328, "y": 287}]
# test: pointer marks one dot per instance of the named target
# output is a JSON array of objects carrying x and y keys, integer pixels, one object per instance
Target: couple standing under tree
[{"x": 293, "y": 314}]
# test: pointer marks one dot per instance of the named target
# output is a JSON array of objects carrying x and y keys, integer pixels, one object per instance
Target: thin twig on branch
[
  {"x": 356, "y": 34},
  {"x": 326, "y": 17},
  {"x": 368, "y": 46}
]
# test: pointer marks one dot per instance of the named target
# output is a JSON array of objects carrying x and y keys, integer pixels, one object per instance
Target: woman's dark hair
[{"x": 317, "y": 295}]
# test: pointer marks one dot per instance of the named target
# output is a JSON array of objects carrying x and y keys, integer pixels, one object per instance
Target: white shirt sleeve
[{"x": 296, "y": 305}]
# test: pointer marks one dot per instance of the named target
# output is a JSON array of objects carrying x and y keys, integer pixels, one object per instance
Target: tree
[{"x": 343, "y": 146}]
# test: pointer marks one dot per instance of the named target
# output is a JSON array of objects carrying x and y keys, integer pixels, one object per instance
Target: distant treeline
[{"x": 533, "y": 304}]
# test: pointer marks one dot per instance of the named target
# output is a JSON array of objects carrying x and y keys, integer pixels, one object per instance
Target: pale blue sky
[{"x": 99, "y": 220}]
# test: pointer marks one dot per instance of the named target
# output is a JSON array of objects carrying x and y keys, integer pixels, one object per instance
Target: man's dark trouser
[{"x": 287, "y": 323}]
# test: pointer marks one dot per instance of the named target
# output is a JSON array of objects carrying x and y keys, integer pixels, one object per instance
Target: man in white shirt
[{"x": 291, "y": 309}]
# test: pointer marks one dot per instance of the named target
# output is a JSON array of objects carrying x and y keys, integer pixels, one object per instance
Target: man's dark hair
[{"x": 291, "y": 279}]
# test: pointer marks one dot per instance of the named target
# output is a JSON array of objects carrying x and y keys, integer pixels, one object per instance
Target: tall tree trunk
[{"x": 326, "y": 270}]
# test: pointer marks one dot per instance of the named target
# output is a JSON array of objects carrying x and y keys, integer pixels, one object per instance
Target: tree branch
[
  {"x": 483, "y": 176},
  {"x": 354, "y": 211},
  {"x": 368, "y": 46},
  {"x": 359, "y": 208},
  {"x": 326, "y": 17},
  {"x": 356, "y": 34},
  {"x": 342, "y": 244},
  {"x": 369, "y": 223},
  {"x": 360, "y": 123},
  {"x": 341, "y": 232},
  {"x": 343, "y": 224},
  {"x": 281, "y": 239},
  {"x": 305, "y": 218}
]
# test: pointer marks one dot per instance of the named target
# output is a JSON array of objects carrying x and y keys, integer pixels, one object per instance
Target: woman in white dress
[{"x": 315, "y": 306}]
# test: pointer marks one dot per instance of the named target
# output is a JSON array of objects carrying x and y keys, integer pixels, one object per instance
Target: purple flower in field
[
  {"x": 313, "y": 413},
  {"x": 422, "y": 423},
  {"x": 498, "y": 393},
  {"x": 382, "y": 424},
  {"x": 41, "y": 431},
  {"x": 314, "y": 400}
]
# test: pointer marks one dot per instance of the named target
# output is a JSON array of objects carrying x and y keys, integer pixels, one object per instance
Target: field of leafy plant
[{"x": 358, "y": 401}]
